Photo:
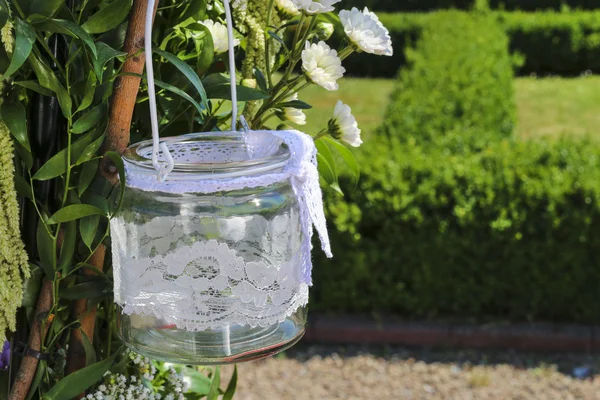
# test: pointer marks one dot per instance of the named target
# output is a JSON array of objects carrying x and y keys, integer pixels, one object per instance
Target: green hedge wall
[
  {"x": 459, "y": 79},
  {"x": 429, "y": 5},
  {"x": 473, "y": 224},
  {"x": 549, "y": 42},
  {"x": 533, "y": 5},
  {"x": 408, "y": 5}
]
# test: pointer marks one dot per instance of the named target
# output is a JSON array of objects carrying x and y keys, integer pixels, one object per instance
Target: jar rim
[{"x": 138, "y": 155}]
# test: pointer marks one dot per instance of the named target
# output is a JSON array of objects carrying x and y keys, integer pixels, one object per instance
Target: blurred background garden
[{"x": 478, "y": 196}]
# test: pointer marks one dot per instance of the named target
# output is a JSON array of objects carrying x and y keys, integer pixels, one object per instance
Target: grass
[
  {"x": 368, "y": 99},
  {"x": 548, "y": 107},
  {"x": 558, "y": 106}
]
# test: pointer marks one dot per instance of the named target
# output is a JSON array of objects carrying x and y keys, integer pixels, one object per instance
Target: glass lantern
[
  {"x": 212, "y": 245},
  {"x": 210, "y": 278}
]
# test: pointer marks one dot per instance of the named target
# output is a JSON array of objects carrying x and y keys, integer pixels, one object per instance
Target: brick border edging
[{"x": 539, "y": 337}]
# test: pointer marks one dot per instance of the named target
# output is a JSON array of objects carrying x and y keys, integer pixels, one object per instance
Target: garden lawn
[
  {"x": 368, "y": 99},
  {"x": 546, "y": 106}
]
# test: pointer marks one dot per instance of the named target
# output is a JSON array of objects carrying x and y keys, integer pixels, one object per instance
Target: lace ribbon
[{"x": 301, "y": 171}]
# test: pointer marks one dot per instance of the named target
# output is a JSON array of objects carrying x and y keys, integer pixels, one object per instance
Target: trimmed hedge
[
  {"x": 507, "y": 233},
  {"x": 408, "y": 5},
  {"x": 460, "y": 79},
  {"x": 549, "y": 42},
  {"x": 469, "y": 225},
  {"x": 534, "y": 5},
  {"x": 430, "y": 5}
]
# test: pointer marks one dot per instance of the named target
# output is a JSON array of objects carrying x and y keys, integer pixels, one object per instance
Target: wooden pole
[
  {"x": 117, "y": 138},
  {"x": 41, "y": 323},
  {"x": 126, "y": 88}
]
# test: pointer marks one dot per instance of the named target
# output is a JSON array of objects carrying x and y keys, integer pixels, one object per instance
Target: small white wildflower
[
  {"x": 343, "y": 125},
  {"x": 219, "y": 35},
  {"x": 291, "y": 114},
  {"x": 311, "y": 7},
  {"x": 287, "y": 8},
  {"x": 366, "y": 31},
  {"x": 322, "y": 65}
]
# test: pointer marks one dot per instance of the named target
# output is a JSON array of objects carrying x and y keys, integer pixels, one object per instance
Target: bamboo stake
[
  {"x": 36, "y": 338},
  {"x": 117, "y": 138},
  {"x": 126, "y": 88}
]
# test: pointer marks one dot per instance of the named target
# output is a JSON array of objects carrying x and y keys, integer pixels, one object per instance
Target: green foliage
[
  {"x": 472, "y": 224},
  {"x": 505, "y": 233},
  {"x": 533, "y": 5},
  {"x": 408, "y": 5},
  {"x": 460, "y": 79},
  {"x": 430, "y": 5},
  {"x": 563, "y": 43}
]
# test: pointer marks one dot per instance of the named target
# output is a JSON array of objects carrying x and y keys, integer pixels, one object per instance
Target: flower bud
[{"x": 324, "y": 30}]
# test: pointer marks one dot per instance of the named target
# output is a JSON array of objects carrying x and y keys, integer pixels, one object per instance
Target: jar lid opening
[{"x": 215, "y": 153}]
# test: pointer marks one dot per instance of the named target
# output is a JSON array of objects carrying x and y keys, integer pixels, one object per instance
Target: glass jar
[{"x": 209, "y": 278}]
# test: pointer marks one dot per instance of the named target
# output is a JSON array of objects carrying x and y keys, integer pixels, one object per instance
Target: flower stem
[{"x": 268, "y": 44}]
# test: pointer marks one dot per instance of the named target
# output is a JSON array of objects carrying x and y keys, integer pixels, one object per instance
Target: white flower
[
  {"x": 315, "y": 6},
  {"x": 219, "y": 35},
  {"x": 287, "y": 8},
  {"x": 322, "y": 65},
  {"x": 343, "y": 125},
  {"x": 294, "y": 115},
  {"x": 366, "y": 31}
]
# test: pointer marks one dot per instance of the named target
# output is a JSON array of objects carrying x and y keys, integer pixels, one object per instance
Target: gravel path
[{"x": 330, "y": 373}]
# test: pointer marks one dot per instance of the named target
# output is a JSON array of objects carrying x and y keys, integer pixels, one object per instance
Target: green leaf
[
  {"x": 196, "y": 10},
  {"x": 87, "y": 175},
  {"x": 199, "y": 383},
  {"x": 105, "y": 54},
  {"x": 46, "y": 8},
  {"x": 79, "y": 381},
  {"x": 261, "y": 80},
  {"x": 326, "y": 153},
  {"x": 73, "y": 212},
  {"x": 118, "y": 163},
  {"x": 36, "y": 87},
  {"x": 189, "y": 73},
  {"x": 67, "y": 27},
  {"x": 90, "y": 352},
  {"x": 180, "y": 93},
  {"x": 213, "y": 393},
  {"x": 90, "y": 90},
  {"x": 31, "y": 287},
  {"x": 327, "y": 172},
  {"x": 37, "y": 379},
  {"x": 14, "y": 116},
  {"x": 230, "y": 391},
  {"x": 46, "y": 250},
  {"x": 59, "y": 163},
  {"x": 214, "y": 79},
  {"x": 280, "y": 40},
  {"x": 48, "y": 79},
  {"x": 88, "y": 227},
  {"x": 205, "y": 48},
  {"x": 68, "y": 246},
  {"x": 300, "y": 105},
  {"x": 223, "y": 91},
  {"x": 347, "y": 155},
  {"x": 23, "y": 187},
  {"x": 86, "y": 290},
  {"x": 89, "y": 120},
  {"x": 25, "y": 38},
  {"x": 108, "y": 17}
]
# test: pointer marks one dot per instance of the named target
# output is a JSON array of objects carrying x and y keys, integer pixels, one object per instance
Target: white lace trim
[{"x": 161, "y": 270}]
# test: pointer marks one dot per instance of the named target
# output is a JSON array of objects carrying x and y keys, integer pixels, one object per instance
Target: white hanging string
[{"x": 163, "y": 170}]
